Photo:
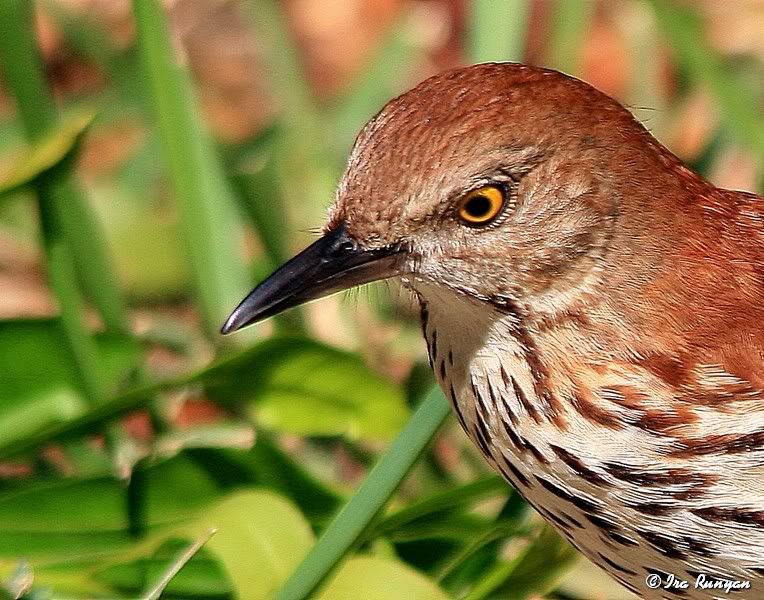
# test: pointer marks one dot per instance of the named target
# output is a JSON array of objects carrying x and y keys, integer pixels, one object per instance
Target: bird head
[{"x": 498, "y": 182}]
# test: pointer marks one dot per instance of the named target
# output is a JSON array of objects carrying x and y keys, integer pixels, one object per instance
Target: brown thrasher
[{"x": 593, "y": 309}]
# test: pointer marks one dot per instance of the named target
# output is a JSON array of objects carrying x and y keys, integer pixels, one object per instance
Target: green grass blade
[
  {"x": 307, "y": 173},
  {"x": 24, "y": 75},
  {"x": 497, "y": 30},
  {"x": 508, "y": 523},
  {"x": 255, "y": 179},
  {"x": 204, "y": 201},
  {"x": 534, "y": 572},
  {"x": 254, "y": 176},
  {"x": 62, "y": 279},
  {"x": 354, "y": 518},
  {"x": 23, "y": 70},
  {"x": 156, "y": 590},
  {"x": 479, "y": 540},
  {"x": 493, "y": 579},
  {"x": 451, "y": 498},
  {"x": 57, "y": 195}
]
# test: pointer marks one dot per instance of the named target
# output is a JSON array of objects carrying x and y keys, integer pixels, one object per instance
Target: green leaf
[
  {"x": 481, "y": 551},
  {"x": 375, "y": 578},
  {"x": 96, "y": 523},
  {"x": 307, "y": 173},
  {"x": 38, "y": 382},
  {"x": 306, "y": 388},
  {"x": 75, "y": 519},
  {"x": 44, "y": 154},
  {"x": 75, "y": 527},
  {"x": 329, "y": 384},
  {"x": 266, "y": 465},
  {"x": 260, "y": 539}
]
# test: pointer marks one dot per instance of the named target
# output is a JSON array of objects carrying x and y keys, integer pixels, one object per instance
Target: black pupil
[{"x": 478, "y": 206}]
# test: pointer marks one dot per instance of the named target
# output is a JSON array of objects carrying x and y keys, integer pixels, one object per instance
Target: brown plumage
[{"x": 600, "y": 336}]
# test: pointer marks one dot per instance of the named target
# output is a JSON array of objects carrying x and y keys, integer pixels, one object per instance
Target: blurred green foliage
[{"x": 105, "y": 512}]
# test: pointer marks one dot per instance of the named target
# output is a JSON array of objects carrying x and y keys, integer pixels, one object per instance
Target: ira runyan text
[{"x": 669, "y": 581}]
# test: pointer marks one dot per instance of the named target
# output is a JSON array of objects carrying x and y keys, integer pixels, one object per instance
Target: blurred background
[{"x": 157, "y": 159}]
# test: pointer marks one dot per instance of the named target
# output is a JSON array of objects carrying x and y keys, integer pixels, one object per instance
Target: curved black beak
[{"x": 330, "y": 264}]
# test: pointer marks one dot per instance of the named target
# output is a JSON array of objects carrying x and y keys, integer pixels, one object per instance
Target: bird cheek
[{"x": 425, "y": 267}]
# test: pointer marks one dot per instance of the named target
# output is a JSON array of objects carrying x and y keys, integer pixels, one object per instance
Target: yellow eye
[{"x": 481, "y": 206}]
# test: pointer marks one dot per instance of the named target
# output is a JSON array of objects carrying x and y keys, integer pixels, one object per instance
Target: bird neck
[{"x": 528, "y": 399}]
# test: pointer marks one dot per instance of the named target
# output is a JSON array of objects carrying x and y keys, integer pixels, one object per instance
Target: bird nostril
[{"x": 341, "y": 247}]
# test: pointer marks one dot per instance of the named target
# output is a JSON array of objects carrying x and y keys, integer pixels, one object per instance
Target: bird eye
[{"x": 481, "y": 206}]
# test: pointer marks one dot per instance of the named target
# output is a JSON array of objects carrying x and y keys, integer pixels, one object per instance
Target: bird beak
[{"x": 330, "y": 264}]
